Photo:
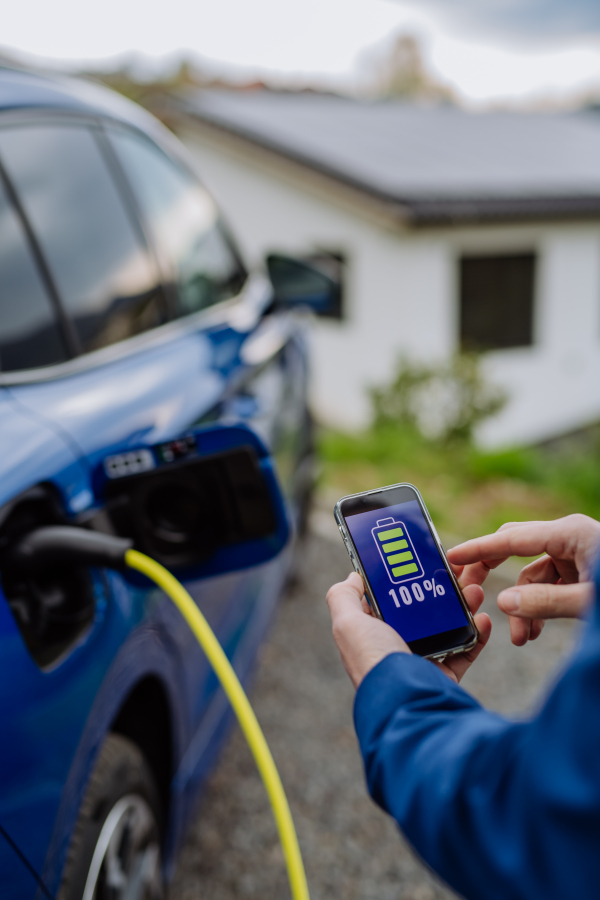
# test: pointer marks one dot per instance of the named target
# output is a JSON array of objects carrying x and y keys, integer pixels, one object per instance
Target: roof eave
[{"x": 461, "y": 211}]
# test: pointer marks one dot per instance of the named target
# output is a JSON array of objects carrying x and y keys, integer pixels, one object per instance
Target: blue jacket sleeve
[{"x": 499, "y": 809}]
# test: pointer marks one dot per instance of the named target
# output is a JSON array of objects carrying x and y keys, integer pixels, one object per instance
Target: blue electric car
[{"x": 151, "y": 388}]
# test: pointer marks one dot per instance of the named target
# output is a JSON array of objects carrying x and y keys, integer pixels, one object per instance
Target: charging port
[
  {"x": 182, "y": 512},
  {"x": 53, "y": 604}
]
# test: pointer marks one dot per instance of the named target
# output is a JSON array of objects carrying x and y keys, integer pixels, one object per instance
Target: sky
[{"x": 489, "y": 51}]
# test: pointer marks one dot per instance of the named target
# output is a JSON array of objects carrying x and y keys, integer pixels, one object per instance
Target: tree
[{"x": 401, "y": 73}]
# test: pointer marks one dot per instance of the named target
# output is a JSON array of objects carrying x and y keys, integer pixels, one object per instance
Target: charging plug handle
[{"x": 66, "y": 544}]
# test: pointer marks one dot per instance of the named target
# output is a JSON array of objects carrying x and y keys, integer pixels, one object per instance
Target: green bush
[
  {"x": 443, "y": 402},
  {"x": 577, "y": 477},
  {"x": 518, "y": 463}
]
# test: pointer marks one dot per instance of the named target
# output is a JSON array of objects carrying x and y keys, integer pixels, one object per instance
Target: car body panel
[
  {"x": 149, "y": 397},
  {"x": 33, "y": 451}
]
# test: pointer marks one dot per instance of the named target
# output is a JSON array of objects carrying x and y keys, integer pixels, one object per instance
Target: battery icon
[{"x": 397, "y": 551}]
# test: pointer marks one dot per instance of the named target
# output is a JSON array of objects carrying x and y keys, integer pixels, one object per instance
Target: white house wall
[
  {"x": 554, "y": 386},
  {"x": 402, "y": 298}
]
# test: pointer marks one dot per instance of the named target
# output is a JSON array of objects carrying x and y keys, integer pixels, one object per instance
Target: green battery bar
[
  {"x": 395, "y": 545},
  {"x": 390, "y": 546}
]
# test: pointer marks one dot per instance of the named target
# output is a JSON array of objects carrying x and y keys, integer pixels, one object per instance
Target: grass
[{"x": 468, "y": 491}]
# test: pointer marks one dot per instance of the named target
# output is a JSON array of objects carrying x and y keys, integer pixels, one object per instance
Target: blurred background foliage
[
  {"x": 396, "y": 71},
  {"x": 443, "y": 402},
  {"x": 423, "y": 432}
]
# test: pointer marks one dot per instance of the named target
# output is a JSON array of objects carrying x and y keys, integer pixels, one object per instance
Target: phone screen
[{"x": 405, "y": 569}]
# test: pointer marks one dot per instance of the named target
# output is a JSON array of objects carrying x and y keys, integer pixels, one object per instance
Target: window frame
[
  {"x": 498, "y": 250},
  {"x": 141, "y": 226},
  {"x": 80, "y": 361}
]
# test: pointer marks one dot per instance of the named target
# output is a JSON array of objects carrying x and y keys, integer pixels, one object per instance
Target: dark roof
[{"x": 441, "y": 164}]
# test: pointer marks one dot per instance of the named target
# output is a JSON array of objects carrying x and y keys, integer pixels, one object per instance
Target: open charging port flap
[{"x": 213, "y": 513}]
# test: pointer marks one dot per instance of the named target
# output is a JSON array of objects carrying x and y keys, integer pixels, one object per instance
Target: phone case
[{"x": 385, "y": 533}]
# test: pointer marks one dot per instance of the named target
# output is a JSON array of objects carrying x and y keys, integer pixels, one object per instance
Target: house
[{"x": 454, "y": 229}]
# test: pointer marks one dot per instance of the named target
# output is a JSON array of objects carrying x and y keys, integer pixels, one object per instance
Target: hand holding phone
[{"x": 408, "y": 581}]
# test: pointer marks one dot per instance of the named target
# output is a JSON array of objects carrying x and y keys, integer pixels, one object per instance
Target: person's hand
[
  {"x": 364, "y": 640},
  {"x": 557, "y": 585}
]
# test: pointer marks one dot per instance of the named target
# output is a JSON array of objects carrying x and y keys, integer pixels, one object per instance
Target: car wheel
[{"x": 115, "y": 847}]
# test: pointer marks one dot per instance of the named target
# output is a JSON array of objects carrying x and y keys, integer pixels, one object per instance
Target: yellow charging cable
[{"x": 241, "y": 706}]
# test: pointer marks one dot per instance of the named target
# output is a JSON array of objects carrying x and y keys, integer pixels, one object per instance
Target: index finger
[{"x": 526, "y": 539}]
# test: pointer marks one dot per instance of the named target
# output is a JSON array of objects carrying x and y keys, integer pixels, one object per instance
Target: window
[
  {"x": 184, "y": 222},
  {"x": 29, "y": 332},
  {"x": 496, "y": 301},
  {"x": 100, "y": 267}
]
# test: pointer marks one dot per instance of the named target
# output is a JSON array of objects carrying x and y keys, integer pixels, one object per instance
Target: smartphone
[{"x": 409, "y": 583}]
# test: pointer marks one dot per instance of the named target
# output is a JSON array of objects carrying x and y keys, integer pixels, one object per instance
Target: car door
[{"x": 120, "y": 262}]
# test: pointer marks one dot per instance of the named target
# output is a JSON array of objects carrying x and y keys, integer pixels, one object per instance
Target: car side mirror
[{"x": 298, "y": 282}]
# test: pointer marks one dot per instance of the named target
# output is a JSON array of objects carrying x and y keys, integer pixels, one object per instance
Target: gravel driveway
[{"x": 303, "y": 700}]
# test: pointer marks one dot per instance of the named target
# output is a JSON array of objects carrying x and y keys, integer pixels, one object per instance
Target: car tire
[{"x": 115, "y": 846}]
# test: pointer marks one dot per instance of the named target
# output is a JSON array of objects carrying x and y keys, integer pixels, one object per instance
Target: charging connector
[{"x": 56, "y": 544}]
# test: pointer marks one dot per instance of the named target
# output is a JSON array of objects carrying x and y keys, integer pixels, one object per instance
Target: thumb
[
  {"x": 546, "y": 601},
  {"x": 346, "y": 596}
]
